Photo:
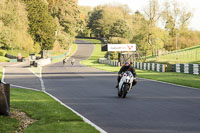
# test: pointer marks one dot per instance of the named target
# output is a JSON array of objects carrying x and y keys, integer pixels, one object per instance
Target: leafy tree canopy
[{"x": 42, "y": 25}]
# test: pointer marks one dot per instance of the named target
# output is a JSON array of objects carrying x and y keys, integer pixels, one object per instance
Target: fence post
[
  {"x": 4, "y": 99},
  {"x": 7, "y": 93}
]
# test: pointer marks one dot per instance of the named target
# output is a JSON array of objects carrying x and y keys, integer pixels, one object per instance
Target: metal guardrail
[
  {"x": 109, "y": 62},
  {"x": 60, "y": 56},
  {"x": 186, "y": 68},
  {"x": 138, "y": 65},
  {"x": 150, "y": 66},
  {"x": 179, "y": 68}
]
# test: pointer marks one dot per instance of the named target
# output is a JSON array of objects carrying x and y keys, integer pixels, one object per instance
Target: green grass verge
[
  {"x": 8, "y": 125},
  {"x": 15, "y": 52},
  {"x": 72, "y": 50},
  {"x": 1, "y": 72},
  {"x": 3, "y": 59},
  {"x": 170, "y": 77},
  {"x": 187, "y": 55},
  {"x": 51, "y": 116}
]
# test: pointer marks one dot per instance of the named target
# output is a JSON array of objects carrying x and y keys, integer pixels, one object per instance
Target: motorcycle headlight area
[{"x": 127, "y": 80}]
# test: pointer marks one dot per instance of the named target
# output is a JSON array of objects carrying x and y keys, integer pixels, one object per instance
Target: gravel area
[{"x": 24, "y": 120}]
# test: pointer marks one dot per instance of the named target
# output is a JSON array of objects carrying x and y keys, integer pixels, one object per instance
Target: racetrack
[{"x": 151, "y": 107}]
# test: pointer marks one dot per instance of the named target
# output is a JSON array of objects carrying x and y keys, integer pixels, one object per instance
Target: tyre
[
  {"x": 119, "y": 93},
  {"x": 124, "y": 90}
]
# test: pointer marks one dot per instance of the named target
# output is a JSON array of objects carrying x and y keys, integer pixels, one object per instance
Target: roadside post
[{"x": 4, "y": 99}]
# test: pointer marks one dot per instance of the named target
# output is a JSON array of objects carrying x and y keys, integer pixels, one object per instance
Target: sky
[{"x": 134, "y": 5}]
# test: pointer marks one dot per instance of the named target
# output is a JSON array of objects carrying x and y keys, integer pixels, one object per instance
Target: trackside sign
[{"x": 121, "y": 47}]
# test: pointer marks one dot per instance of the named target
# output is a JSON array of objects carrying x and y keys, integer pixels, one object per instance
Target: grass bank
[
  {"x": 71, "y": 52},
  {"x": 3, "y": 59},
  {"x": 50, "y": 116},
  {"x": 187, "y": 55},
  {"x": 170, "y": 77}
]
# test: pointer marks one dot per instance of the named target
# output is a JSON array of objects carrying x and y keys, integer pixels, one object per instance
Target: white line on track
[
  {"x": 43, "y": 89},
  {"x": 40, "y": 77},
  {"x": 2, "y": 79},
  {"x": 84, "y": 119},
  {"x": 170, "y": 84}
]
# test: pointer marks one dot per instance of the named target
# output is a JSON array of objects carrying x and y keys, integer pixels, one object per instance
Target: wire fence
[{"x": 187, "y": 56}]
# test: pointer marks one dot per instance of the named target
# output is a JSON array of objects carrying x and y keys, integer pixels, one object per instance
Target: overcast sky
[{"x": 134, "y": 5}]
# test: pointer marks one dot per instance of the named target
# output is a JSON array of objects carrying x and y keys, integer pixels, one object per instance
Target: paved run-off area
[{"x": 151, "y": 107}]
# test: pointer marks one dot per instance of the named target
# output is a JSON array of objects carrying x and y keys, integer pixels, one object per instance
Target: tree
[
  {"x": 67, "y": 13},
  {"x": 14, "y": 26},
  {"x": 95, "y": 21},
  {"x": 102, "y": 18},
  {"x": 42, "y": 25},
  {"x": 120, "y": 28},
  {"x": 140, "y": 33},
  {"x": 69, "y": 20},
  {"x": 153, "y": 14},
  {"x": 176, "y": 18},
  {"x": 84, "y": 16}
]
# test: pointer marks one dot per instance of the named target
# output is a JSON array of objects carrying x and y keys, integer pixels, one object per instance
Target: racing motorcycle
[{"x": 125, "y": 83}]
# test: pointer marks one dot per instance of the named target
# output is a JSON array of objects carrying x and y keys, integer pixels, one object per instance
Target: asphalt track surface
[
  {"x": 18, "y": 75},
  {"x": 151, "y": 107}
]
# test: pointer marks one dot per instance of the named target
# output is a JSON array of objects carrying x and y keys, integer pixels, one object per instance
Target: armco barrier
[
  {"x": 138, "y": 65},
  {"x": 179, "y": 68},
  {"x": 186, "y": 68},
  {"x": 60, "y": 56},
  {"x": 12, "y": 60},
  {"x": 109, "y": 62},
  {"x": 150, "y": 66}
]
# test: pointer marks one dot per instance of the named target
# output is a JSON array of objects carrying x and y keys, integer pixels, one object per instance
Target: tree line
[
  {"x": 157, "y": 28},
  {"x": 35, "y": 25}
]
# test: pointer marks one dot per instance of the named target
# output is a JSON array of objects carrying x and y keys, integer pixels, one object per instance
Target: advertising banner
[{"x": 121, "y": 47}]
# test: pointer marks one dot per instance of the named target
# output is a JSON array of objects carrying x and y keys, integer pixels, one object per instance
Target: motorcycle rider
[
  {"x": 126, "y": 67},
  {"x": 64, "y": 61},
  {"x": 72, "y": 61}
]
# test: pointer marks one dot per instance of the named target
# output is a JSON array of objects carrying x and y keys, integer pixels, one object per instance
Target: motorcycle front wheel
[
  {"x": 125, "y": 90},
  {"x": 119, "y": 93}
]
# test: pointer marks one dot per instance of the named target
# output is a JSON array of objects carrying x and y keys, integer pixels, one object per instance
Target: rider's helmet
[{"x": 127, "y": 65}]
